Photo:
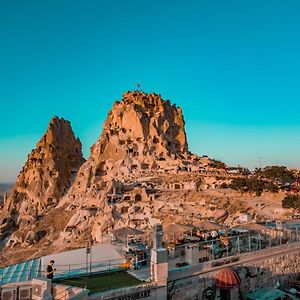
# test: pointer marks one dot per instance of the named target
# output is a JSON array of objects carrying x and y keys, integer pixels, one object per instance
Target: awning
[{"x": 227, "y": 279}]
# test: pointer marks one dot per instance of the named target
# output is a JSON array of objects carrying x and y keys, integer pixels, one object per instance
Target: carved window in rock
[
  {"x": 109, "y": 199},
  {"x": 101, "y": 171},
  {"x": 177, "y": 186},
  {"x": 145, "y": 166},
  {"x": 127, "y": 198},
  {"x": 133, "y": 167},
  {"x": 124, "y": 210},
  {"x": 138, "y": 197},
  {"x": 155, "y": 140},
  {"x": 46, "y": 184}
]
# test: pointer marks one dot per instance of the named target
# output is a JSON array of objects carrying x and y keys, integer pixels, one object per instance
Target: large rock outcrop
[
  {"x": 141, "y": 134},
  {"x": 46, "y": 176}
]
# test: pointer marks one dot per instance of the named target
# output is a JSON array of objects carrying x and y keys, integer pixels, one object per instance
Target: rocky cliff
[
  {"x": 142, "y": 134},
  {"x": 139, "y": 131},
  {"x": 46, "y": 176}
]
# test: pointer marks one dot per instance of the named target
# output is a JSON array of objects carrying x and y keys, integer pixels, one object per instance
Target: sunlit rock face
[
  {"x": 142, "y": 133},
  {"x": 139, "y": 131},
  {"x": 143, "y": 136},
  {"x": 45, "y": 177}
]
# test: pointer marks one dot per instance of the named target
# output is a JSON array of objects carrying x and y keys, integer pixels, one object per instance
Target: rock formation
[
  {"x": 142, "y": 133},
  {"x": 139, "y": 173},
  {"x": 46, "y": 176},
  {"x": 142, "y": 146}
]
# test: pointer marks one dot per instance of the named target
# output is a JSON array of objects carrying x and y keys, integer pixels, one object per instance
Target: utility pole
[
  {"x": 88, "y": 252},
  {"x": 259, "y": 161}
]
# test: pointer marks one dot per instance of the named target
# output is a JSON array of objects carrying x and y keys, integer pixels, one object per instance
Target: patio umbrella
[{"x": 227, "y": 279}]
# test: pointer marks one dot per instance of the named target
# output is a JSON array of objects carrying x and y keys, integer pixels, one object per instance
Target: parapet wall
[
  {"x": 258, "y": 269},
  {"x": 145, "y": 292}
]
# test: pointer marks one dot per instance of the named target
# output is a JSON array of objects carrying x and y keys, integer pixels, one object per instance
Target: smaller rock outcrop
[{"x": 46, "y": 176}]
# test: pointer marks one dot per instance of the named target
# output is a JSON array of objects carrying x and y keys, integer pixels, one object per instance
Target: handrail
[{"x": 239, "y": 243}]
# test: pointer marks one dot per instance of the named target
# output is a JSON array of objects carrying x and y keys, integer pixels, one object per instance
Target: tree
[
  {"x": 253, "y": 184},
  {"x": 291, "y": 201},
  {"x": 217, "y": 164},
  {"x": 271, "y": 187},
  {"x": 279, "y": 173}
]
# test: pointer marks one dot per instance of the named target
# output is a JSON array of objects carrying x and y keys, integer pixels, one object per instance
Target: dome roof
[{"x": 227, "y": 279}]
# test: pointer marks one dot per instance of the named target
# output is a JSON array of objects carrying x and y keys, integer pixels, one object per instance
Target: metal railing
[
  {"x": 226, "y": 246},
  {"x": 79, "y": 276},
  {"x": 87, "y": 269},
  {"x": 16, "y": 273},
  {"x": 210, "y": 250},
  {"x": 12, "y": 274}
]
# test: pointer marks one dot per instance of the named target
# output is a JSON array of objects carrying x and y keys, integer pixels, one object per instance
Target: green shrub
[
  {"x": 291, "y": 201},
  {"x": 253, "y": 185},
  {"x": 280, "y": 173}
]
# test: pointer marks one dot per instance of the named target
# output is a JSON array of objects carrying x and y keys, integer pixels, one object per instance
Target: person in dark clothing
[{"x": 50, "y": 269}]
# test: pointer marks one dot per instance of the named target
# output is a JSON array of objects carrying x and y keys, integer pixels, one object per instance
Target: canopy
[
  {"x": 266, "y": 293},
  {"x": 175, "y": 228},
  {"x": 253, "y": 227},
  {"x": 206, "y": 225},
  {"x": 227, "y": 279},
  {"x": 123, "y": 232}
]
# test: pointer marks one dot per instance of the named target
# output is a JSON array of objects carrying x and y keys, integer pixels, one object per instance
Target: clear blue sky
[{"x": 233, "y": 66}]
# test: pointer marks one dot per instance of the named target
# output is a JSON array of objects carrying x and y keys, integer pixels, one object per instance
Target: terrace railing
[
  {"x": 27, "y": 271},
  {"x": 242, "y": 243}
]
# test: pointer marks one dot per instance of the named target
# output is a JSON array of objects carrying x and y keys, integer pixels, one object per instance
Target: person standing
[{"x": 50, "y": 270}]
